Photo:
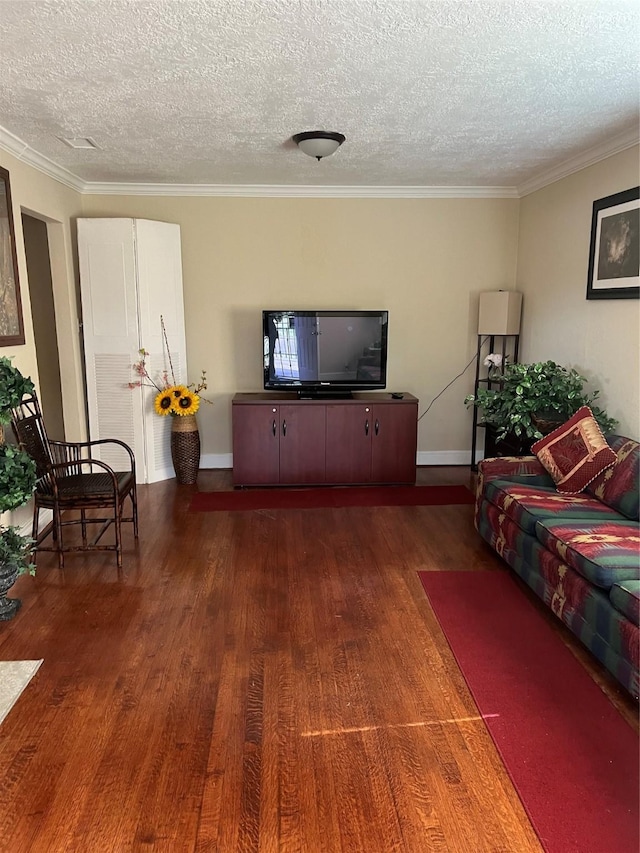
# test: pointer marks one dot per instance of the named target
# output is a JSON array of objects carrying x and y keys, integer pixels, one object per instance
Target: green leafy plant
[
  {"x": 531, "y": 393},
  {"x": 16, "y": 550},
  {"x": 13, "y": 387},
  {"x": 17, "y": 477},
  {"x": 17, "y": 471}
]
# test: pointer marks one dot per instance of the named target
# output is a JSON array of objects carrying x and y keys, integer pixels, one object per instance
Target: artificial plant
[
  {"x": 17, "y": 470},
  {"x": 528, "y": 394}
]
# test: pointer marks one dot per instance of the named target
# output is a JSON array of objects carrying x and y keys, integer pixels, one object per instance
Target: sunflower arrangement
[{"x": 172, "y": 398}]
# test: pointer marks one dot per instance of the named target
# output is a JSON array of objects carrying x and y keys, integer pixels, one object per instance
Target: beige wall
[
  {"x": 41, "y": 196},
  {"x": 34, "y": 193},
  {"x": 600, "y": 338},
  {"x": 425, "y": 260}
]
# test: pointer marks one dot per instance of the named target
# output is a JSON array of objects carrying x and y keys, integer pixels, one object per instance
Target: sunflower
[
  {"x": 178, "y": 391},
  {"x": 163, "y": 402},
  {"x": 188, "y": 404}
]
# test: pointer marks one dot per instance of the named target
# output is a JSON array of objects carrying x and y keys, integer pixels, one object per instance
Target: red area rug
[
  {"x": 571, "y": 756},
  {"x": 331, "y": 496}
]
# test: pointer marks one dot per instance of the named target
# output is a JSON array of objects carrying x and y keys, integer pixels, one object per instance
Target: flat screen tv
[{"x": 325, "y": 353}]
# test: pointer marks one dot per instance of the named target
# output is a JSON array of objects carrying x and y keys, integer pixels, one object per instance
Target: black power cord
[{"x": 462, "y": 372}]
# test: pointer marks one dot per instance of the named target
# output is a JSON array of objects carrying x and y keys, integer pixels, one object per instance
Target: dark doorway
[{"x": 43, "y": 313}]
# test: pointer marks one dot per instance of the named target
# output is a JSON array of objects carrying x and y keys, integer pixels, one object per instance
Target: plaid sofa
[{"x": 579, "y": 553}]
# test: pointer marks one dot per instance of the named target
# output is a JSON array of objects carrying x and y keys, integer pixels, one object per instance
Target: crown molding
[
  {"x": 13, "y": 144},
  {"x": 21, "y": 151},
  {"x": 590, "y": 157},
  {"x": 281, "y": 191}
]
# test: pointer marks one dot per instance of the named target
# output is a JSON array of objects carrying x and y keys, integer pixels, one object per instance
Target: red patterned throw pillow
[{"x": 575, "y": 453}]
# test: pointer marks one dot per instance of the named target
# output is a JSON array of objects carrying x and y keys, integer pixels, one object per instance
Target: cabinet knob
[
  {"x": 377, "y": 426},
  {"x": 366, "y": 427},
  {"x": 274, "y": 411},
  {"x": 273, "y": 427},
  {"x": 367, "y": 409},
  {"x": 284, "y": 427}
]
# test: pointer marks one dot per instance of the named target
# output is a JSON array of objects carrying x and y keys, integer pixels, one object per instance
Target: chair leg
[
  {"x": 83, "y": 518},
  {"x": 57, "y": 535},
  {"x": 118, "y": 523},
  {"x": 134, "y": 502},
  {"x": 34, "y": 531}
]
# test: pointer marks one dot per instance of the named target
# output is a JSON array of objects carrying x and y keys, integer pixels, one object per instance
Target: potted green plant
[
  {"x": 17, "y": 482},
  {"x": 17, "y": 476},
  {"x": 15, "y": 560},
  {"x": 531, "y": 399}
]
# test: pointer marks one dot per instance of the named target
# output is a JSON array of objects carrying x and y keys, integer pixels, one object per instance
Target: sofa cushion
[
  {"x": 528, "y": 504},
  {"x": 625, "y": 597},
  {"x": 575, "y": 453},
  {"x": 619, "y": 486},
  {"x": 604, "y": 552}
]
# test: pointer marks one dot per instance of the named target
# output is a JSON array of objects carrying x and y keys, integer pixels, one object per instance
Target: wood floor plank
[{"x": 267, "y": 681}]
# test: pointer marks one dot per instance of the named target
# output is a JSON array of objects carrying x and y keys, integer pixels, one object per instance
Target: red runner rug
[
  {"x": 331, "y": 496},
  {"x": 571, "y": 756}
]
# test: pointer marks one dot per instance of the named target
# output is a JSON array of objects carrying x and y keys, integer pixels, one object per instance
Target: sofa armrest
[
  {"x": 512, "y": 467},
  {"x": 518, "y": 469}
]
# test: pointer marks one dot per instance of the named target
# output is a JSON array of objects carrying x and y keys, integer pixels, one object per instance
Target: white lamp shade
[{"x": 499, "y": 312}]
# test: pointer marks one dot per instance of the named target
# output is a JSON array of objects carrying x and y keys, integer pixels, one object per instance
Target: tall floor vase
[{"x": 185, "y": 448}]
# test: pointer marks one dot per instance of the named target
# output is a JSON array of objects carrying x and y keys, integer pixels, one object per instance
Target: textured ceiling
[{"x": 444, "y": 93}]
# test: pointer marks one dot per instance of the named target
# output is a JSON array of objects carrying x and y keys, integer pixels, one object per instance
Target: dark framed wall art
[
  {"x": 11, "y": 326},
  {"x": 614, "y": 255}
]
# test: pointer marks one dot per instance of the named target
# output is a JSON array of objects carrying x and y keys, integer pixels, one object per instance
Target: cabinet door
[
  {"x": 394, "y": 443},
  {"x": 302, "y": 444},
  {"x": 256, "y": 445},
  {"x": 349, "y": 431}
]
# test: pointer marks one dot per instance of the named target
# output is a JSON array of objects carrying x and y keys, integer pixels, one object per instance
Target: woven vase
[{"x": 185, "y": 448}]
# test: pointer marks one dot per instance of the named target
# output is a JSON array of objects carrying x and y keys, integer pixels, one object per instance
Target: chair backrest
[{"x": 29, "y": 430}]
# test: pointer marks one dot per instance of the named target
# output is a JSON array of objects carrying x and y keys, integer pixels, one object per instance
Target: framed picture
[
  {"x": 11, "y": 327},
  {"x": 614, "y": 256}
]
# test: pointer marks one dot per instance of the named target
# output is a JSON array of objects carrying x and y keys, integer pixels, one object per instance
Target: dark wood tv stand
[{"x": 282, "y": 440}]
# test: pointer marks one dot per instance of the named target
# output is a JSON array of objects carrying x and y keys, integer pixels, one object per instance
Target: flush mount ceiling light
[{"x": 318, "y": 143}]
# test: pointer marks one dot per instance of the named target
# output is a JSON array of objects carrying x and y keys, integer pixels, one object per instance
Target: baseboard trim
[
  {"x": 446, "y": 457},
  {"x": 45, "y": 517},
  {"x": 216, "y": 460},
  {"x": 423, "y": 457}
]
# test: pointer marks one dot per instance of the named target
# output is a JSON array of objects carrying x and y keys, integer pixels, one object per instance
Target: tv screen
[{"x": 325, "y": 352}]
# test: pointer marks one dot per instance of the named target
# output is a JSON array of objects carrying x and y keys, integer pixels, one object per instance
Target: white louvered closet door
[
  {"x": 160, "y": 294},
  {"x": 130, "y": 274}
]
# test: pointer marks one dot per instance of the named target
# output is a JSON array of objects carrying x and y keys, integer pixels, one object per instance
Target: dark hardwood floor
[{"x": 256, "y": 681}]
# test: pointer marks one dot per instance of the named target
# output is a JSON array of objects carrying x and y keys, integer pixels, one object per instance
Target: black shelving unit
[{"x": 508, "y": 347}]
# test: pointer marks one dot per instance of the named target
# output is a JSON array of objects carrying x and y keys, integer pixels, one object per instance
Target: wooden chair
[{"x": 70, "y": 480}]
